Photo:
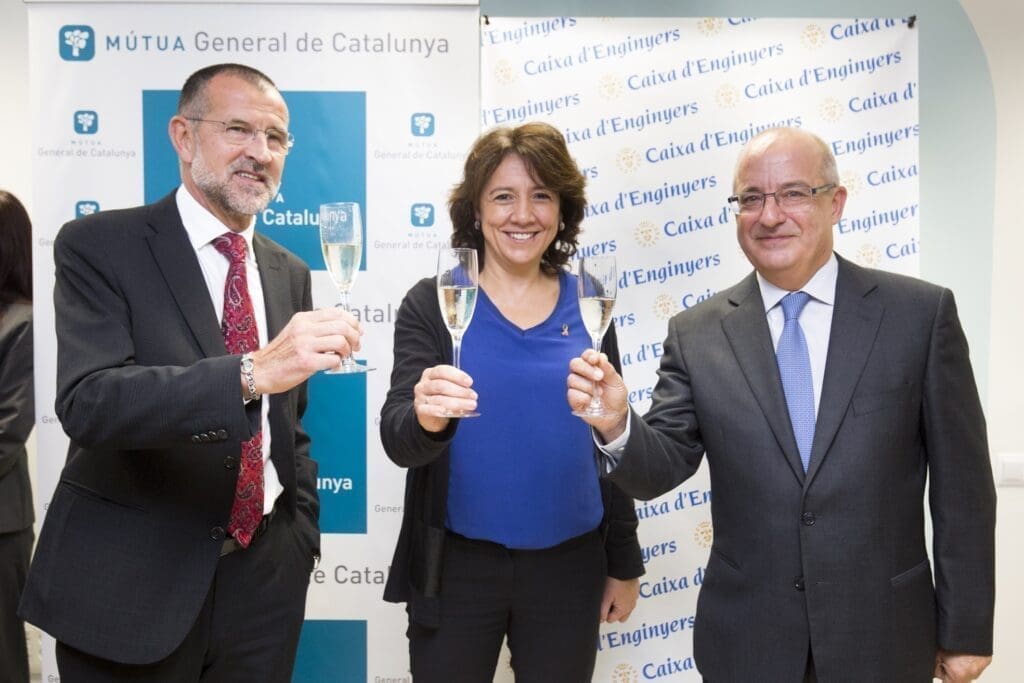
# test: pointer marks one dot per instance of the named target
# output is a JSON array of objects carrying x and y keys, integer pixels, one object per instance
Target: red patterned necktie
[{"x": 241, "y": 336}]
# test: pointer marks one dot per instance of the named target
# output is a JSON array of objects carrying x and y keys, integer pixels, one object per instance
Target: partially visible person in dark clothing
[{"x": 17, "y": 417}]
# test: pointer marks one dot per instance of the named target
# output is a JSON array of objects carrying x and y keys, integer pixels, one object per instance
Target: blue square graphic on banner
[
  {"x": 76, "y": 43},
  {"x": 328, "y": 163},
  {"x": 422, "y": 124},
  {"x": 86, "y": 122},
  {"x": 331, "y": 652},
  {"x": 86, "y": 207},
  {"x": 335, "y": 420},
  {"x": 421, "y": 215}
]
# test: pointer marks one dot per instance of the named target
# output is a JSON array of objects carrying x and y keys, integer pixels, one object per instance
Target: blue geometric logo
[
  {"x": 422, "y": 215},
  {"x": 86, "y": 208},
  {"x": 331, "y": 652},
  {"x": 86, "y": 122},
  {"x": 77, "y": 43},
  {"x": 422, "y": 124}
]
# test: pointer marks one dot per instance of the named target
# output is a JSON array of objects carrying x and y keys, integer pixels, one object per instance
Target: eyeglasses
[
  {"x": 239, "y": 133},
  {"x": 792, "y": 198}
]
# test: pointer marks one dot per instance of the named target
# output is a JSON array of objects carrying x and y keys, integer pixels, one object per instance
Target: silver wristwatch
[{"x": 249, "y": 377}]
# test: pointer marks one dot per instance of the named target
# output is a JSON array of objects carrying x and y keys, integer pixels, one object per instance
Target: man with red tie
[{"x": 179, "y": 541}]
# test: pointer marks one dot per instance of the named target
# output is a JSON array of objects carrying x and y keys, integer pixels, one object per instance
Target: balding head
[{"x": 795, "y": 137}]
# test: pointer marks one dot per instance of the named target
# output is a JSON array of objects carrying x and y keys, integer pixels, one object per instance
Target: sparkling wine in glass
[
  {"x": 457, "y": 286},
  {"x": 596, "y": 286},
  {"x": 341, "y": 240}
]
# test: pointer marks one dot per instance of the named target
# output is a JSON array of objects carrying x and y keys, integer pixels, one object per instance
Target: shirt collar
[
  {"x": 202, "y": 226},
  {"x": 821, "y": 286}
]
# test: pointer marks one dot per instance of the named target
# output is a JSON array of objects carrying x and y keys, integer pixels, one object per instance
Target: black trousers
[
  {"x": 247, "y": 630},
  {"x": 15, "y": 552},
  {"x": 810, "y": 675},
  {"x": 547, "y": 602}
]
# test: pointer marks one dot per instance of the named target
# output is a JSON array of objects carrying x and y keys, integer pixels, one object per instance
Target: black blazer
[
  {"x": 422, "y": 341},
  {"x": 152, "y": 404},
  {"x": 17, "y": 416},
  {"x": 835, "y": 559}
]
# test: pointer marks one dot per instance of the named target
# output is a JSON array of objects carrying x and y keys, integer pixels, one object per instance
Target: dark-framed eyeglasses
[
  {"x": 790, "y": 198},
  {"x": 240, "y": 133}
]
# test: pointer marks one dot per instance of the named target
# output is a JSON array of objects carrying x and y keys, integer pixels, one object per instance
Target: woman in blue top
[{"x": 508, "y": 529}]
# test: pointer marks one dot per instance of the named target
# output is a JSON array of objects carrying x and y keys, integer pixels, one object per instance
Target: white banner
[
  {"x": 384, "y": 103},
  {"x": 655, "y": 112}
]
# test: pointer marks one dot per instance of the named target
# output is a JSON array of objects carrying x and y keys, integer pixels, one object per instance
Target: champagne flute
[
  {"x": 457, "y": 282},
  {"x": 596, "y": 287},
  {"x": 341, "y": 239}
]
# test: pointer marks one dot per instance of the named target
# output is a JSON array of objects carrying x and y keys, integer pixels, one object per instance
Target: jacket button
[
  {"x": 799, "y": 583},
  {"x": 222, "y": 434},
  {"x": 217, "y": 533},
  {"x": 808, "y": 518},
  {"x": 204, "y": 438},
  {"x": 195, "y": 438},
  {"x": 230, "y": 462}
]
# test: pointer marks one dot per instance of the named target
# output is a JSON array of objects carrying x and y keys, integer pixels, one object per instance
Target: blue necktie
[{"x": 795, "y": 368}]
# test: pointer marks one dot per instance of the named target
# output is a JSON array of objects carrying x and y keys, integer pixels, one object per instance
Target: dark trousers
[
  {"x": 247, "y": 630},
  {"x": 15, "y": 552},
  {"x": 547, "y": 602},
  {"x": 810, "y": 675}
]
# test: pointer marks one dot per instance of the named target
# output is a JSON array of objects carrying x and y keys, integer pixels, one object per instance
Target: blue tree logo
[
  {"x": 422, "y": 124},
  {"x": 86, "y": 122},
  {"x": 77, "y": 43},
  {"x": 422, "y": 215},
  {"x": 86, "y": 208}
]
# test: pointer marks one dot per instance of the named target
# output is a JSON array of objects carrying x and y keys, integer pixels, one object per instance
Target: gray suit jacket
[
  {"x": 834, "y": 560},
  {"x": 17, "y": 416},
  {"x": 153, "y": 406}
]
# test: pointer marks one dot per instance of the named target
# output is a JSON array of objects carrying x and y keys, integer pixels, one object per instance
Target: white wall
[
  {"x": 15, "y": 169},
  {"x": 998, "y": 27}
]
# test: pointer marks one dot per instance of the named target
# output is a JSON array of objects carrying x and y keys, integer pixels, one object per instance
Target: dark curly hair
[
  {"x": 15, "y": 250},
  {"x": 542, "y": 148}
]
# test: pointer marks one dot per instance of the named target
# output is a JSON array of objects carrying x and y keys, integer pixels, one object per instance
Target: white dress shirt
[
  {"x": 815, "y": 320},
  {"x": 202, "y": 228}
]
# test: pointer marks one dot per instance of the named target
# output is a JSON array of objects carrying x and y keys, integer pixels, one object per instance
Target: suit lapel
[
  {"x": 276, "y": 284},
  {"x": 746, "y": 328},
  {"x": 855, "y": 321},
  {"x": 177, "y": 261}
]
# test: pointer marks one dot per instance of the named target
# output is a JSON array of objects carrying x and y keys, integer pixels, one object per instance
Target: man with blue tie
[
  {"x": 180, "y": 539},
  {"x": 824, "y": 395}
]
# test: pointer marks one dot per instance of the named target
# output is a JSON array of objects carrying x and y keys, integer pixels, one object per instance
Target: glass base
[
  {"x": 593, "y": 411},
  {"x": 460, "y": 413},
  {"x": 348, "y": 369}
]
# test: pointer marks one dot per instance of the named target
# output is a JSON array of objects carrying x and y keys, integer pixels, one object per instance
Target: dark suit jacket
[
  {"x": 153, "y": 406},
  {"x": 835, "y": 559},
  {"x": 17, "y": 416}
]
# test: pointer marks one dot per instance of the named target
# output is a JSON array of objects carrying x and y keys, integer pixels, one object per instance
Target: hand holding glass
[
  {"x": 457, "y": 282},
  {"x": 341, "y": 239},
  {"x": 596, "y": 286}
]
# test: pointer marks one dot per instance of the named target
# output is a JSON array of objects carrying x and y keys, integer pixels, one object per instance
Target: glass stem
[
  {"x": 348, "y": 361},
  {"x": 457, "y": 351},
  {"x": 595, "y": 400}
]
